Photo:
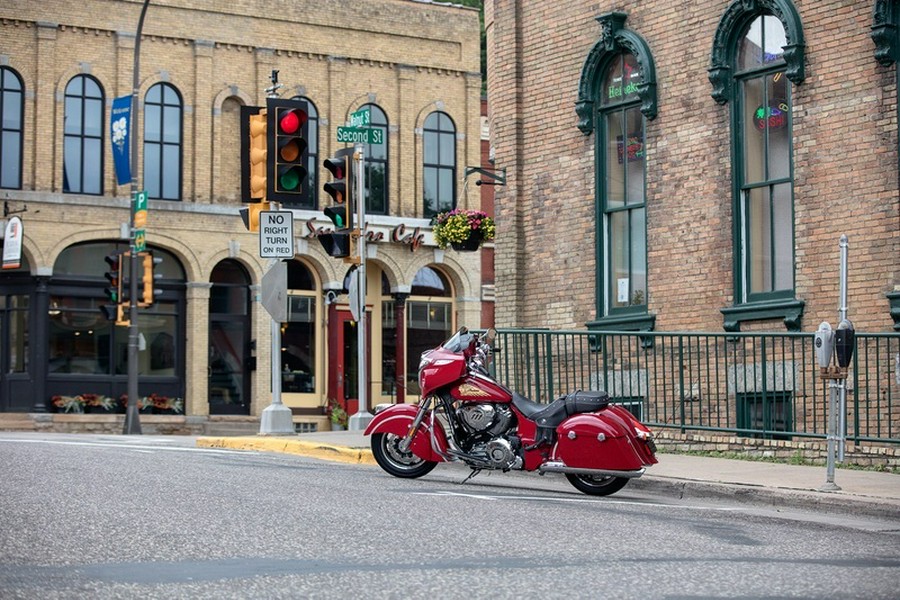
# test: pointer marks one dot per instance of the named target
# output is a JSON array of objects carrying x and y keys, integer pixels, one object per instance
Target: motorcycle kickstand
[{"x": 471, "y": 475}]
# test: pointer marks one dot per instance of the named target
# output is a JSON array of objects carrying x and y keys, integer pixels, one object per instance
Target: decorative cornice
[
  {"x": 737, "y": 17},
  {"x": 615, "y": 39},
  {"x": 885, "y": 24}
]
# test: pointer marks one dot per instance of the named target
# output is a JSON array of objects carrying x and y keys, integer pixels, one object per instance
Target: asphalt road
[{"x": 153, "y": 517}]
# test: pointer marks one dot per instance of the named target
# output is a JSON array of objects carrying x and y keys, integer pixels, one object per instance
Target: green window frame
[
  {"x": 758, "y": 54},
  {"x": 616, "y": 98},
  {"x": 621, "y": 192},
  {"x": 771, "y": 413}
]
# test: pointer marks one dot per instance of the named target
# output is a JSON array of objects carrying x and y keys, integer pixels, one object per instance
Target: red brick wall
[{"x": 845, "y": 165}]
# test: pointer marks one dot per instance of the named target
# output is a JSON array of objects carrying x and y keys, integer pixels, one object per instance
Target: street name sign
[
  {"x": 276, "y": 234},
  {"x": 360, "y": 135},
  {"x": 360, "y": 118}
]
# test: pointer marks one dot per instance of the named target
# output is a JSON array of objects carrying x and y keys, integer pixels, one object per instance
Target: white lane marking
[{"x": 125, "y": 446}]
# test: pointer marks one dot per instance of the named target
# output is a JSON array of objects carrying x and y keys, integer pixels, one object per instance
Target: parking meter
[
  {"x": 844, "y": 342},
  {"x": 824, "y": 344}
]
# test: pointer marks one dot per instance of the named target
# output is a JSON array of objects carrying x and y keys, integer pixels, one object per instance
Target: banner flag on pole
[{"x": 120, "y": 126}]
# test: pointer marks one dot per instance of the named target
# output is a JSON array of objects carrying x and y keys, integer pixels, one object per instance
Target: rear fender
[{"x": 398, "y": 418}]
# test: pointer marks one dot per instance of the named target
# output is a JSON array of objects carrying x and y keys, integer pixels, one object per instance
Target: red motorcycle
[{"x": 465, "y": 415}]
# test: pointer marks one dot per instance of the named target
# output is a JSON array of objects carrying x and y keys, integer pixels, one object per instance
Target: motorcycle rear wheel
[
  {"x": 597, "y": 485},
  {"x": 399, "y": 464}
]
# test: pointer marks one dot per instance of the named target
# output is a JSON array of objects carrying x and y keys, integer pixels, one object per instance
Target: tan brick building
[
  {"x": 206, "y": 341},
  {"x": 692, "y": 165}
]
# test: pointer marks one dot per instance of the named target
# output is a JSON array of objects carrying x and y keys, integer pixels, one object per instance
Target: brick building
[
  {"x": 414, "y": 64},
  {"x": 692, "y": 165}
]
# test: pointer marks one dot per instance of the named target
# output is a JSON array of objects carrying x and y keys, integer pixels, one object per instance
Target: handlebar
[{"x": 481, "y": 358}]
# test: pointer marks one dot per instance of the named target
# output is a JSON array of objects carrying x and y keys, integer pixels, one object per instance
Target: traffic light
[
  {"x": 254, "y": 150},
  {"x": 115, "y": 309},
  {"x": 287, "y": 134},
  {"x": 339, "y": 243},
  {"x": 114, "y": 277},
  {"x": 148, "y": 290}
]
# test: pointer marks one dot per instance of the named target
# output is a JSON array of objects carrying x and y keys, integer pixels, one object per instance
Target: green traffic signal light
[{"x": 338, "y": 216}]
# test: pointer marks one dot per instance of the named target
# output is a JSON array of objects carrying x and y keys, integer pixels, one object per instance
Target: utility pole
[
  {"x": 362, "y": 417},
  {"x": 132, "y": 419}
]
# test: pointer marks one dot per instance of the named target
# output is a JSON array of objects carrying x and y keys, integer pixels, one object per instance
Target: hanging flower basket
[{"x": 463, "y": 230}]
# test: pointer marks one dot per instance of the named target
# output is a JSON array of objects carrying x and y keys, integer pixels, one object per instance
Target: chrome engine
[
  {"x": 488, "y": 425},
  {"x": 493, "y": 419}
]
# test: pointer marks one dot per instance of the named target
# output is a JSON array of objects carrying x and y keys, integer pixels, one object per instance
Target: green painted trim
[
  {"x": 789, "y": 310},
  {"x": 737, "y": 17},
  {"x": 885, "y": 23},
  {"x": 614, "y": 39},
  {"x": 894, "y": 301},
  {"x": 635, "y": 322}
]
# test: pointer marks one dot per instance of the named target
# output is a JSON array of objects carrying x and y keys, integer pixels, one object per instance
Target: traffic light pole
[
  {"x": 359, "y": 420},
  {"x": 132, "y": 419}
]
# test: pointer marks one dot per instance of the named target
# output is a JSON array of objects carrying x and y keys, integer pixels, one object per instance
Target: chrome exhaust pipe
[{"x": 558, "y": 467}]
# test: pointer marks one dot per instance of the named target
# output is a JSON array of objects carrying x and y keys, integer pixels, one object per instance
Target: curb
[
  {"x": 358, "y": 456},
  {"x": 775, "y": 497}
]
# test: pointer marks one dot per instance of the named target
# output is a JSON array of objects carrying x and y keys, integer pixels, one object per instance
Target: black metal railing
[{"x": 748, "y": 384}]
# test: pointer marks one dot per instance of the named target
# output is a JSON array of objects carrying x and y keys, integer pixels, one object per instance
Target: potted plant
[
  {"x": 462, "y": 229},
  {"x": 337, "y": 415}
]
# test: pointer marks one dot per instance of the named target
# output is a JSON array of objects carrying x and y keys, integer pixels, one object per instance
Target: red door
[{"x": 343, "y": 354}]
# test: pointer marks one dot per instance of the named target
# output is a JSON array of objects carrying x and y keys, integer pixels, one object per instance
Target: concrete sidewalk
[{"x": 862, "y": 492}]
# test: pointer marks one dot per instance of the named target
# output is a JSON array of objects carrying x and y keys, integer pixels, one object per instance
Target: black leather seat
[{"x": 551, "y": 415}]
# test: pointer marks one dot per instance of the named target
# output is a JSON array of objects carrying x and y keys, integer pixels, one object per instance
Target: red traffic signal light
[{"x": 287, "y": 150}]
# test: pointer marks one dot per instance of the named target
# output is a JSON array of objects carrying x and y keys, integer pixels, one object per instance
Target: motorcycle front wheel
[
  {"x": 597, "y": 485},
  {"x": 385, "y": 449}
]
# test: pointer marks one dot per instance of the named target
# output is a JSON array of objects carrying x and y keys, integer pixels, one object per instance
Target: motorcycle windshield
[{"x": 459, "y": 341}]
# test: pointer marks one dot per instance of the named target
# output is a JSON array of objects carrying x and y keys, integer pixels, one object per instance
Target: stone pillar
[{"x": 197, "y": 349}]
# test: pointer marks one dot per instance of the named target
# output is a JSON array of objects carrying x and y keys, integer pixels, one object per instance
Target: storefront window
[
  {"x": 429, "y": 319},
  {"x": 82, "y": 340},
  {"x": 298, "y": 334}
]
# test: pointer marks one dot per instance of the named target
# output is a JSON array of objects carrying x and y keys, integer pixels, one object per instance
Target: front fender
[{"x": 397, "y": 419}]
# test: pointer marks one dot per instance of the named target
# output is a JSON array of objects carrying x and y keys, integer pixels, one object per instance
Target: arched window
[
  {"x": 162, "y": 142},
  {"x": 229, "y": 339},
  {"x": 616, "y": 99},
  {"x": 765, "y": 204},
  {"x": 309, "y": 199},
  {"x": 377, "y": 176},
  {"x": 82, "y": 341},
  {"x": 298, "y": 334},
  {"x": 83, "y": 136},
  {"x": 12, "y": 108},
  {"x": 439, "y": 166},
  {"x": 622, "y": 189},
  {"x": 757, "y": 58}
]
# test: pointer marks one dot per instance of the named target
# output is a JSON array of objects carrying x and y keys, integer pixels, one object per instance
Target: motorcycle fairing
[
  {"x": 397, "y": 419},
  {"x": 598, "y": 441},
  {"x": 440, "y": 367}
]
